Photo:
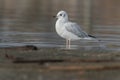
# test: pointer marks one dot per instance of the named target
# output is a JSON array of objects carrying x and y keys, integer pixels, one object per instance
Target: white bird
[{"x": 69, "y": 30}]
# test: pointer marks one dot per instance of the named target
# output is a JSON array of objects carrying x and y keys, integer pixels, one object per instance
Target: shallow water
[{"x": 49, "y": 40}]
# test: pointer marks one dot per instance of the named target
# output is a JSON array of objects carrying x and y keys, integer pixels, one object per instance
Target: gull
[{"x": 69, "y": 30}]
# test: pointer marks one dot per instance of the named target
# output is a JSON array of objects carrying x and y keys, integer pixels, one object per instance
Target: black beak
[{"x": 54, "y": 16}]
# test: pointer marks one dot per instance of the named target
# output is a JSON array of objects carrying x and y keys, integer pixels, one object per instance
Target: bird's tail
[{"x": 91, "y": 37}]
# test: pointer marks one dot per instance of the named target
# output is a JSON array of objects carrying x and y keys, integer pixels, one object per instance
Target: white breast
[
  {"x": 59, "y": 28},
  {"x": 61, "y": 31}
]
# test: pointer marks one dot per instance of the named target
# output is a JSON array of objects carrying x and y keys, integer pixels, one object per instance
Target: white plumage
[{"x": 69, "y": 30}]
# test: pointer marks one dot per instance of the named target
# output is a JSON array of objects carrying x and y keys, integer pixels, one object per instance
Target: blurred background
[{"x": 31, "y": 20}]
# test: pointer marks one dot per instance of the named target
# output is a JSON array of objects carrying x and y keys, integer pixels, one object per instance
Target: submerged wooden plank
[
  {"x": 43, "y": 61},
  {"x": 63, "y": 66},
  {"x": 89, "y": 67},
  {"x": 24, "y": 47}
]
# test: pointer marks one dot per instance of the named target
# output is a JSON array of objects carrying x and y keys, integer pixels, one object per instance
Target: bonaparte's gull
[{"x": 69, "y": 30}]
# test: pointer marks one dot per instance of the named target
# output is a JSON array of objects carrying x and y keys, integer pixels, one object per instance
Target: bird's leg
[{"x": 69, "y": 43}]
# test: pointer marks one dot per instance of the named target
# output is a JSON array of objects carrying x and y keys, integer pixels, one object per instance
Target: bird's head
[{"x": 62, "y": 15}]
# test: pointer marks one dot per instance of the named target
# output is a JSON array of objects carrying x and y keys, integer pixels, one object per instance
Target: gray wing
[{"x": 75, "y": 29}]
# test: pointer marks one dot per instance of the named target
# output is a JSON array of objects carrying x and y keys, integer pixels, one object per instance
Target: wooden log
[
  {"x": 43, "y": 61},
  {"x": 26, "y": 47},
  {"x": 88, "y": 67}
]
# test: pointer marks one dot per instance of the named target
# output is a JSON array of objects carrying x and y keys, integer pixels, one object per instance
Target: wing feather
[{"x": 75, "y": 29}]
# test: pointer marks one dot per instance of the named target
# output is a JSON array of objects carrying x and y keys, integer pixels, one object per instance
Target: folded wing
[{"x": 75, "y": 29}]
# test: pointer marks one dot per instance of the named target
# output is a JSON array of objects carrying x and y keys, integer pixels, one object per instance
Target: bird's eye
[{"x": 60, "y": 14}]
